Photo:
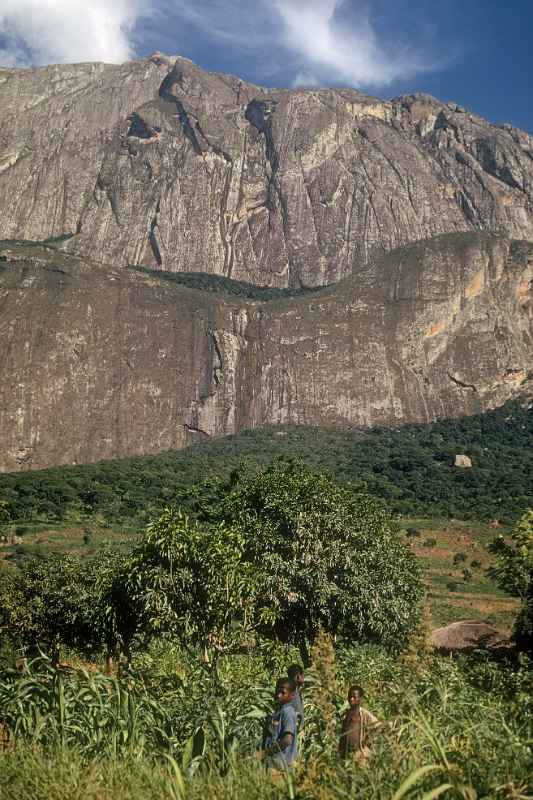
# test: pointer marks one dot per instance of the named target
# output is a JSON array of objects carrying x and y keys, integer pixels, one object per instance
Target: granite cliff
[
  {"x": 100, "y": 362},
  {"x": 159, "y": 163},
  {"x": 409, "y": 218}
]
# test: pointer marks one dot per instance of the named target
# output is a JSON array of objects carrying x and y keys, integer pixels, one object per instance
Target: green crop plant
[{"x": 174, "y": 729}]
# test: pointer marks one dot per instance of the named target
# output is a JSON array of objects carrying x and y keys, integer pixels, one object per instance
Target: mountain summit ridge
[{"x": 160, "y": 163}]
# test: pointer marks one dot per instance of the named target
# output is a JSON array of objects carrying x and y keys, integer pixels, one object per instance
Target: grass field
[
  {"x": 461, "y": 730},
  {"x": 450, "y": 596}
]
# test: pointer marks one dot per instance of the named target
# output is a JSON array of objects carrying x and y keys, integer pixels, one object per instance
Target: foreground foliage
[
  {"x": 324, "y": 556},
  {"x": 67, "y": 601},
  {"x": 455, "y": 729}
]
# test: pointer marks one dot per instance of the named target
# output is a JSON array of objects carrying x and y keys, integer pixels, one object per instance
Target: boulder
[{"x": 462, "y": 461}]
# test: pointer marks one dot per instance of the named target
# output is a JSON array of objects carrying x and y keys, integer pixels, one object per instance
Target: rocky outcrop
[
  {"x": 159, "y": 163},
  {"x": 462, "y": 461},
  {"x": 99, "y": 362}
]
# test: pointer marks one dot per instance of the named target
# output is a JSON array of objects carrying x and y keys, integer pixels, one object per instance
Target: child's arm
[
  {"x": 288, "y": 725},
  {"x": 279, "y": 746}
]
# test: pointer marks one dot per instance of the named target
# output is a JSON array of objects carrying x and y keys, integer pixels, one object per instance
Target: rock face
[
  {"x": 162, "y": 164},
  {"x": 393, "y": 205},
  {"x": 99, "y": 362}
]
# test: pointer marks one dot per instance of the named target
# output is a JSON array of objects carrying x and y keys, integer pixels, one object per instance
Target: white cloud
[
  {"x": 306, "y": 42},
  {"x": 311, "y": 42},
  {"x": 305, "y": 80},
  {"x": 343, "y": 51},
  {"x": 64, "y": 31}
]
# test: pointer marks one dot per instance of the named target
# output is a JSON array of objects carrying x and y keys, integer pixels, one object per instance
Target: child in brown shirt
[{"x": 356, "y": 725}]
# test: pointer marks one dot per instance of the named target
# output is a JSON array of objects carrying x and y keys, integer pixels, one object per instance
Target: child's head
[
  {"x": 284, "y": 692},
  {"x": 296, "y": 674},
  {"x": 355, "y": 696}
]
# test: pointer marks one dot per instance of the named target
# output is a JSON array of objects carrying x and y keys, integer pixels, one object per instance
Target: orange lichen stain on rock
[
  {"x": 524, "y": 292},
  {"x": 517, "y": 376},
  {"x": 435, "y": 329},
  {"x": 476, "y": 285}
]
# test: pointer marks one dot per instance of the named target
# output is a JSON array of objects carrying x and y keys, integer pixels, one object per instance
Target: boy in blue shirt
[{"x": 280, "y": 737}]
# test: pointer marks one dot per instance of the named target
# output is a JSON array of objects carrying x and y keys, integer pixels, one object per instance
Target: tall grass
[{"x": 175, "y": 730}]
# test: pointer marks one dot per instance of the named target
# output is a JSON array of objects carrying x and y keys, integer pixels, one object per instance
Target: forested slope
[{"x": 411, "y": 468}]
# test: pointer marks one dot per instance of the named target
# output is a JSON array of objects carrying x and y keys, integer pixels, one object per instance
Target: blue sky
[{"x": 475, "y": 52}]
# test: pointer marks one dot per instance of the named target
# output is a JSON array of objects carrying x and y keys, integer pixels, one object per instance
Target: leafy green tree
[
  {"x": 190, "y": 581},
  {"x": 49, "y": 606},
  {"x": 311, "y": 554},
  {"x": 514, "y": 573}
]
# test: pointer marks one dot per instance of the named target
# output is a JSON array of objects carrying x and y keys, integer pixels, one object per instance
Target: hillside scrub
[
  {"x": 206, "y": 282},
  {"x": 410, "y": 468}
]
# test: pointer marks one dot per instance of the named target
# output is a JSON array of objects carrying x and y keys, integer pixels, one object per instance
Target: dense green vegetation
[
  {"x": 220, "y": 284},
  {"x": 52, "y": 241},
  {"x": 281, "y": 555},
  {"x": 410, "y": 468},
  {"x": 514, "y": 573},
  {"x": 276, "y": 557},
  {"x": 173, "y": 728},
  {"x": 206, "y": 611}
]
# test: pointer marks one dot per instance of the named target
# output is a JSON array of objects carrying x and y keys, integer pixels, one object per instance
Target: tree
[
  {"x": 514, "y": 573},
  {"x": 49, "y": 604},
  {"x": 298, "y": 553},
  {"x": 190, "y": 581}
]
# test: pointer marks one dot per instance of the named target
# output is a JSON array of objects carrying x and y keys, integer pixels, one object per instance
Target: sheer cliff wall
[{"x": 103, "y": 362}]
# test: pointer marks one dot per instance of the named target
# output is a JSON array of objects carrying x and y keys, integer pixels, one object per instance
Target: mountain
[
  {"x": 185, "y": 255},
  {"x": 102, "y": 361},
  {"x": 160, "y": 164}
]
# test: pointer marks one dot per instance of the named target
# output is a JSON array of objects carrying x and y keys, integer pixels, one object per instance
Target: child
[
  {"x": 356, "y": 725},
  {"x": 296, "y": 674},
  {"x": 280, "y": 738}
]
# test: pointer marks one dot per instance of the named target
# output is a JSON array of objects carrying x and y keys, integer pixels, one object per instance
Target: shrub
[
  {"x": 514, "y": 573},
  {"x": 412, "y": 533},
  {"x": 459, "y": 558},
  {"x": 475, "y": 564},
  {"x": 452, "y": 586},
  {"x": 65, "y": 600},
  {"x": 430, "y": 542}
]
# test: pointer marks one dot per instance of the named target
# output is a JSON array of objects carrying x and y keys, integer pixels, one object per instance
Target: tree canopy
[
  {"x": 66, "y": 600},
  {"x": 288, "y": 549},
  {"x": 410, "y": 468}
]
